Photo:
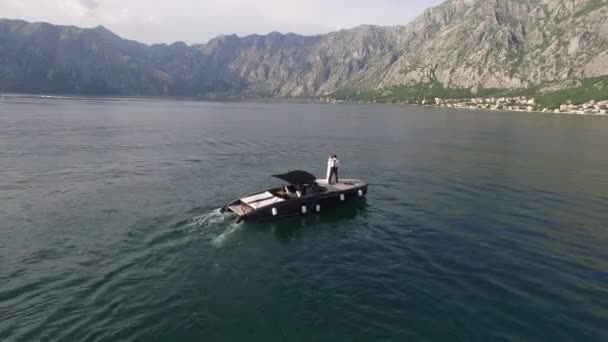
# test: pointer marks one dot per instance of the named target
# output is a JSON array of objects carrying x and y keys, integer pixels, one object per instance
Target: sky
[{"x": 197, "y": 21}]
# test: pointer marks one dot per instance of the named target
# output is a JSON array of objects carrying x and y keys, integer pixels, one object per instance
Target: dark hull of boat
[{"x": 300, "y": 206}]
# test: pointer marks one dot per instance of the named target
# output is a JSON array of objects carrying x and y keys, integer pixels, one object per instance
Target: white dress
[{"x": 329, "y": 165}]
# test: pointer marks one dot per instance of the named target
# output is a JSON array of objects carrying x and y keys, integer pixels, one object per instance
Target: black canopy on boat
[{"x": 297, "y": 177}]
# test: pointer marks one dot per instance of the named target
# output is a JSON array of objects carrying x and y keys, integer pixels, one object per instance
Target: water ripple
[{"x": 469, "y": 233}]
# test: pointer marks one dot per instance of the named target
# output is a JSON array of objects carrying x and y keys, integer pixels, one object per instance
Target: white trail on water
[{"x": 214, "y": 222}]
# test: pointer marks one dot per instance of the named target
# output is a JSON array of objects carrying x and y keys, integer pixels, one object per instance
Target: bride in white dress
[{"x": 329, "y": 165}]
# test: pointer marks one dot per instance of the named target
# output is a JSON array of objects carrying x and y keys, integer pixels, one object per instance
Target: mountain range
[{"x": 459, "y": 48}]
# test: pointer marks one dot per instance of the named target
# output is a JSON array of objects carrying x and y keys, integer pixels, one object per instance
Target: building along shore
[{"x": 518, "y": 103}]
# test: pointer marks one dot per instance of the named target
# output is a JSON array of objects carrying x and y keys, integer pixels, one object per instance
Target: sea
[{"x": 478, "y": 225}]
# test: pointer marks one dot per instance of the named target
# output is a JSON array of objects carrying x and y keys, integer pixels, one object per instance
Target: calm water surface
[{"x": 478, "y": 226}]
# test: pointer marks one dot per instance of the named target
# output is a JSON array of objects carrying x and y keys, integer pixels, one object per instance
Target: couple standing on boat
[{"x": 333, "y": 163}]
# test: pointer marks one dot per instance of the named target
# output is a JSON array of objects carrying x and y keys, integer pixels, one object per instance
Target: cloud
[
  {"x": 196, "y": 21},
  {"x": 90, "y": 4}
]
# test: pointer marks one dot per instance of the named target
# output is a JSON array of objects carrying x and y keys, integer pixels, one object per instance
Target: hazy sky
[{"x": 197, "y": 21}]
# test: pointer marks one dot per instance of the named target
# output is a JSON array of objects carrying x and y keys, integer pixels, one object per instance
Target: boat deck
[
  {"x": 343, "y": 185},
  {"x": 239, "y": 209}
]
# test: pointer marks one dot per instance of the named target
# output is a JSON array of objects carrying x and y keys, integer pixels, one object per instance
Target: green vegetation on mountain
[
  {"x": 398, "y": 94},
  {"x": 593, "y": 88}
]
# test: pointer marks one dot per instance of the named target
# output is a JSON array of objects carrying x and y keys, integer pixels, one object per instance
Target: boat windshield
[{"x": 296, "y": 191}]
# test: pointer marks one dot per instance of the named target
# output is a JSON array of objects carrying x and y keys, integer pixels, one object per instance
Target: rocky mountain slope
[
  {"x": 505, "y": 43},
  {"x": 461, "y": 44}
]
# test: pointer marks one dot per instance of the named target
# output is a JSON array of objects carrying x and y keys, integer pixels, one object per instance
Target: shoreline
[
  {"x": 521, "y": 104},
  {"x": 565, "y": 110}
]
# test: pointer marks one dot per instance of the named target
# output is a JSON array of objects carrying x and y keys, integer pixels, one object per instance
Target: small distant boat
[{"x": 303, "y": 195}]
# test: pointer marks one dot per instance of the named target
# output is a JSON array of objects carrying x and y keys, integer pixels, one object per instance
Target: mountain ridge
[{"x": 461, "y": 44}]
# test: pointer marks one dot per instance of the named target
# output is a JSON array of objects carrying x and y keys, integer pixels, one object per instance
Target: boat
[{"x": 303, "y": 194}]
